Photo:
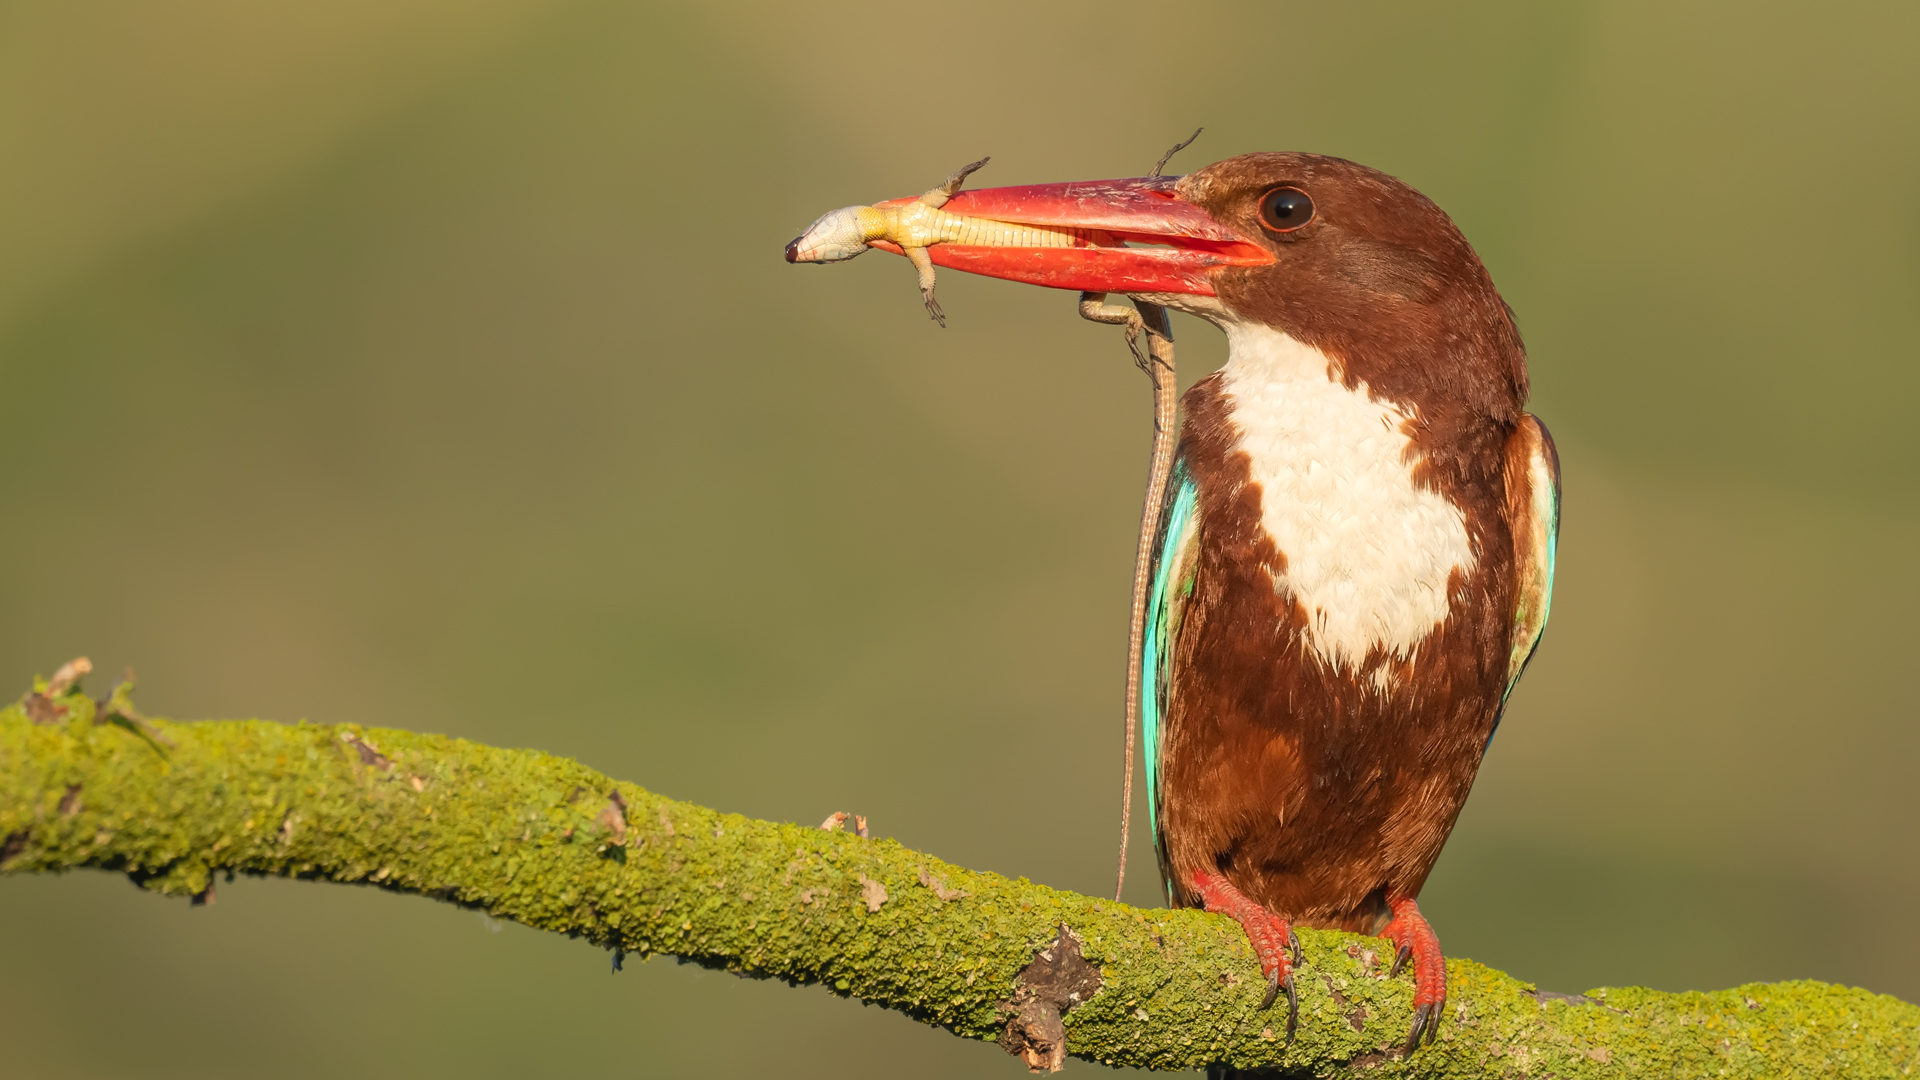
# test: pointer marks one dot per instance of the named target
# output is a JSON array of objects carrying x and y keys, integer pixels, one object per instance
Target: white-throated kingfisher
[{"x": 1354, "y": 556}]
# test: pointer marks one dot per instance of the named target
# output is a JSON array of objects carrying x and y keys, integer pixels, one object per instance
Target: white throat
[{"x": 1368, "y": 551}]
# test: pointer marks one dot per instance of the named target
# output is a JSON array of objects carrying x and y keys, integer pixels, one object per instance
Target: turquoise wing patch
[
  {"x": 1536, "y": 539},
  {"x": 1173, "y": 569}
]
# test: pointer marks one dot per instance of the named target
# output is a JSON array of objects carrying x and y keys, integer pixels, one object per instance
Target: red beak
[{"x": 1188, "y": 244}]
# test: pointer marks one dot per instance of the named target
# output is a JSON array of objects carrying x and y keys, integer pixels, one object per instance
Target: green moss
[{"x": 539, "y": 839}]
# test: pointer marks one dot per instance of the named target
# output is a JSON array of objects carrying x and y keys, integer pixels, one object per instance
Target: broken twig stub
[{"x": 1051, "y": 985}]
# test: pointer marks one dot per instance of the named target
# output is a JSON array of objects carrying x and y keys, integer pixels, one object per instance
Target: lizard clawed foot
[
  {"x": 1415, "y": 941},
  {"x": 1273, "y": 938},
  {"x": 838, "y": 820}
]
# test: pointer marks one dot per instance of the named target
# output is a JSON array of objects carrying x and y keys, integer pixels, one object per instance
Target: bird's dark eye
[{"x": 1285, "y": 209}]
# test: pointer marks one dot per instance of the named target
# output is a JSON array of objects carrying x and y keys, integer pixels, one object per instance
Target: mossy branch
[{"x": 552, "y": 844}]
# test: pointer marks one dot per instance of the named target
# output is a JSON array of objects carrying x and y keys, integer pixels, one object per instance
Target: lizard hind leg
[{"x": 1094, "y": 308}]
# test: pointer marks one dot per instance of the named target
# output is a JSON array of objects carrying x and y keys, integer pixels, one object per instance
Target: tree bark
[{"x": 552, "y": 844}]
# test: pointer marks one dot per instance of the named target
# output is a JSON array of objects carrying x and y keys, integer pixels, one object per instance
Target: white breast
[{"x": 1368, "y": 552}]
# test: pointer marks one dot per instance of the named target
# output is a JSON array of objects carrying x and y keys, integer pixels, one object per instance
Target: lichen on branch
[{"x": 552, "y": 844}]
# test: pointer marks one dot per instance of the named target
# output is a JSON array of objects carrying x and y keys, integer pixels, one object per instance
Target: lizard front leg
[{"x": 924, "y": 263}]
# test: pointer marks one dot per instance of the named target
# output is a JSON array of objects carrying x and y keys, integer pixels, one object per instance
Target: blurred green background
[{"x": 433, "y": 365}]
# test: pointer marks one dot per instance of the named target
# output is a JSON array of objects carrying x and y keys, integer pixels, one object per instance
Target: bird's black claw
[
  {"x": 1275, "y": 984},
  {"x": 933, "y": 310},
  {"x": 1400, "y": 960},
  {"x": 1426, "y": 1022},
  {"x": 1293, "y": 942}
]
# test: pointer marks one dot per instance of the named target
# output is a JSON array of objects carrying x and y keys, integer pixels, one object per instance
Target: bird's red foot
[
  {"x": 1415, "y": 940},
  {"x": 1273, "y": 938}
]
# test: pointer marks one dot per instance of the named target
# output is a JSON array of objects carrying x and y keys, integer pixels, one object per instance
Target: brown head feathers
[{"x": 1378, "y": 278}]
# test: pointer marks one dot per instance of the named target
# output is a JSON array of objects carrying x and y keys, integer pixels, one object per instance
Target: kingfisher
[{"x": 1352, "y": 555}]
